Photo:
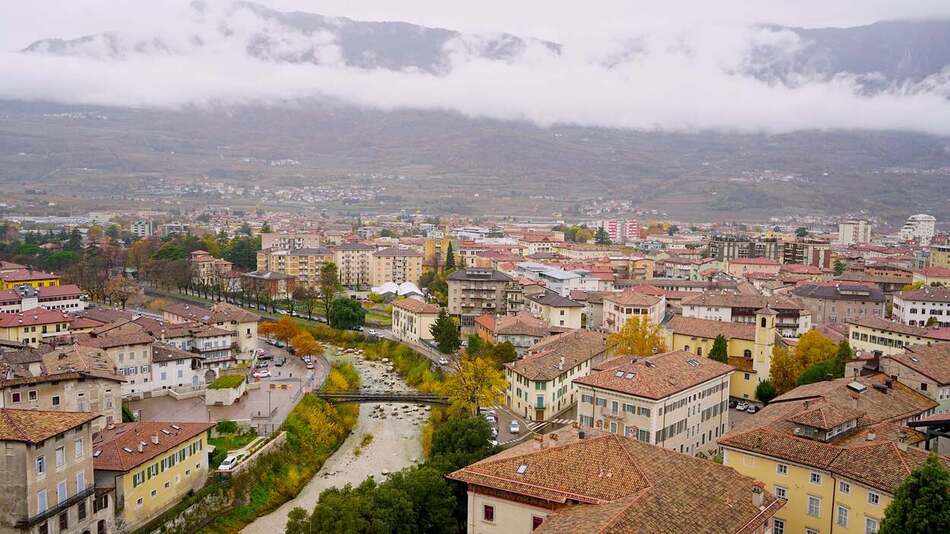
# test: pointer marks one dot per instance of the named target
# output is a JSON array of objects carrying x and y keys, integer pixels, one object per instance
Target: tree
[
  {"x": 476, "y": 344},
  {"x": 783, "y": 371},
  {"x": 305, "y": 345},
  {"x": 449, "y": 258},
  {"x": 505, "y": 353},
  {"x": 932, "y": 321},
  {"x": 765, "y": 392},
  {"x": 477, "y": 383},
  {"x": 283, "y": 329},
  {"x": 462, "y": 441},
  {"x": 75, "y": 240},
  {"x": 912, "y": 287},
  {"x": 720, "y": 350},
  {"x": 307, "y": 298},
  {"x": 120, "y": 289},
  {"x": 672, "y": 230},
  {"x": 446, "y": 333},
  {"x": 842, "y": 357},
  {"x": 801, "y": 232},
  {"x": 601, "y": 237},
  {"x": 839, "y": 267},
  {"x": 583, "y": 235},
  {"x": 346, "y": 313},
  {"x": 638, "y": 337},
  {"x": 329, "y": 285},
  {"x": 245, "y": 229},
  {"x": 265, "y": 228},
  {"x": 922, "y": 502}
]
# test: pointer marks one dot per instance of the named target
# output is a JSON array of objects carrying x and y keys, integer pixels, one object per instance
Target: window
[
  {"x": 842, "y": 517},
  {"x": 15, "y": 396},
  {"x": 80, "y": 481},
  {"x": 844, "y": 487},
  {"x": 488, "y": 513},
  {"x": 814, "y": 506},
  {"x": 815, "y": 478},
  {"x": 536, "y": 522},
  {"x": 778, "y": 526},
  {"x": 873, "y": 498},
  {"x": 63, "y": 521},
  {"x": 138, "y": 502},
  {"x": 781, "y": 492},
  {"x": 55, "y": 400},
  {"x": 810, "y": 531},
  {"x": 870, "y": 526},
  {"x": 81, "y": 510},
  {"x": 62, "y": 492},
  {"x": 78, "y": 447},
  {"x": 41, "y": 465},
  {"x": 31, "y": 395},
  {"x": 60, "y": 457},
  {"x": 41, "y": 501},
  {"x": 44, "y": 528},
  {"x": 781, "y": 469}
]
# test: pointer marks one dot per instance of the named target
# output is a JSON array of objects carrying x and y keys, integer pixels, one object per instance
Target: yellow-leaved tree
[
  {"x": 475, "y": 384},
  {"x": 787, "y": 365},
  {"x": 305, "y": 345},
  {"x": 638, "y": 337},
  {"x": 284, "y": 329}
]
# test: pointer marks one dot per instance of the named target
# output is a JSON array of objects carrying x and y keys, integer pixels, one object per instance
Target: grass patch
[
  {"x": 414, "y": 368},
  {"x": 366, "y": 439},
  {"x": 227, "y": 382},
  {"x": 232, "y": 442}
]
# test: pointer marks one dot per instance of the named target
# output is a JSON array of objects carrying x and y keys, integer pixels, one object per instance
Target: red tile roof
[
  {"x": 36, "y": 316},
  {"x": 111, "y": 450},
  {"x": 35, "y": 426},
  {"x": 709, "y": 329},
  {"x": 656, "y": 377}
]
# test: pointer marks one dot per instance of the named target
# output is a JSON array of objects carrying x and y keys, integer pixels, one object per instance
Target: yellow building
[
  {"x": 749, "y": 346},
  {"x": 27, "y": 277},
  {"x": 413, "y": 320},
  {"x": 304, "y": 264},
  {"x": 395, "y": 265},
  {"x": 940, "y": 256},
  {"x": 434, "y": 250},
  {"x": 835, "y": 450},
  {"x": 875, "y": 335},
  {"x": 151, "y": 466},
  {"x": 33, "y": 326}
]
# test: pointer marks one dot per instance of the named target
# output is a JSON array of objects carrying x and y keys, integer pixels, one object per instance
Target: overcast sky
[{"x": 687, "y": 79}]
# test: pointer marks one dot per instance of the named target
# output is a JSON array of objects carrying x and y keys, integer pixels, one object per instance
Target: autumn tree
[
  {"x": 476, "y": 383},
  {"x": 120, "y": 289},
  {"x": 784, "y": 370},
  {"x": 283, "y": 329},
  {"x": 305, "y": 345},
  {"x": 720, "y": 350},
  {"x": 307, "y": 298},
  {"x": 638, "y": 337}
]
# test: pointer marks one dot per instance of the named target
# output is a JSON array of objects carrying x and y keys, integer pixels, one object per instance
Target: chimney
[
  {"x": 581, "y": 434},
  {"x": 855, "y": 401},
  {"x": 141, "y": 446},
  {"x": 155, "y": 439},
  {"x": 902, "y": 440},
  {"x": 758, "y": 494},
  {"x": 805, "y": 404}
]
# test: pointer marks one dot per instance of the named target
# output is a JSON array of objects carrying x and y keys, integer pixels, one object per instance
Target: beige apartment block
[
  {"x": 353, "y": 264},
  {"x": 476, "y": 291},
  {"x": 304, "y": 264},
  {"x": 413, "y": 319},
  {"x": 395, "y": 265}
]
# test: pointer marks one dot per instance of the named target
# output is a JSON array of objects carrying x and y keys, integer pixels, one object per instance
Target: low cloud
[{"x": 667, "y": 78}]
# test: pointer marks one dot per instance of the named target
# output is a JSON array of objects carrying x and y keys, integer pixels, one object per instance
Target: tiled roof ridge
[{"x": 12, "y": 422}]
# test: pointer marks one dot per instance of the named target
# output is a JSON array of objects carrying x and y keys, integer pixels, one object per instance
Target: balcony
[
  {"x": 55, "y": 510},
  {"x": 610, "y": 414}
]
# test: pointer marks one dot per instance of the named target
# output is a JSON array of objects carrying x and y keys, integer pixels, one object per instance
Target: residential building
[
  {"x": 303, "y": 264},
  {"x": 933, "y": 276},
  {"x": 413, "y": 320},
  {"x": 34, "y": 326},
  {"x": 880, "y": 336},
  {"x": 540, "y": 384},
  {"x": 748, "y": 346},
  {"x": 68, "y": 298},
  {"x": 47, "y": 477},
  {"x": 353, "y": 264},
  {"x": 395, "y": 265},
  {"x": 130, "y": 347},
  {"x": 618, "y": 308},
  {"x": 584, "y": 481},
  {"x": 840, "y": 301},
  {"x": 141, "y": 228},
  {"x": 676, "y": 400},
  {"x": 927, "y": 306},
  {"x": 173, "y": 368},
  {"x": 212, "y": 345},
  {"x": 475, "y": 291},
  {"x": 727, "y": 247},
  {"x": 12, "y": 278},
  {"x": 522, "y": 330},
  {"x": 854, "y": 231},
  {"x": 173, "y": 228},
  {"x": 835, "y": 451},
  {"x": 920, "y": 228},
  {"x": 290, "y": 240},
  {"x": 742, "y": 266},
  {"x": 206, "y": 269},
  {"x": 793, "y": 318},
  {"x": 240, "y": 322},
  {"x": 923, "y": 368},
  {"x": 68, "y": 378},
  {"x": 275, "y": 285},
  {"x": 150, "y": 466},
  {"x": 939, "y": 256},
  {"x": 558, "y": 280},
  {"x": 554, "y": 309}
]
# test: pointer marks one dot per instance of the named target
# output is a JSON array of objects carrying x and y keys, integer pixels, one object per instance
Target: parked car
[
  {"x": 443, "y": 361},
  {"x": 306, "y": 359},
  {"x": 280, "y": 344},
  {"x": 279, "y": 362},
  {"x": 230, "y": 462},
  {"x": 752, "y": 408},
  {"x": 514, "y": 427},
  {"x": 742, "y": 406},
  {"x": 261, "y": 365},
  {"x": 310, "y": 365},
  {"x": 263, "y": 373}
]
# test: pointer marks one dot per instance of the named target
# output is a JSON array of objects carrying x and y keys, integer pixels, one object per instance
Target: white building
[
  {"x": 920, "y": 227},
  {"x": 917, "y": 308},
  {"x": 620, "y": 307},
  {"x": 174, "y": 368},
  {"x": 854, "y": 231},
  {"x": 68, "y": 298},
  {"x": 141, "y": 228},
  {"x": 558, "y": 280}
]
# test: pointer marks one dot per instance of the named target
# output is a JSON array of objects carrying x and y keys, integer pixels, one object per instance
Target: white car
[
  {"x": 310, "y": 365},
  {"x": 230, "y": 462},
  {"x": 443, "y": 361},
  {"x": 742, "y": 406},
  {"x": 514, "y": 427},
  {"x": 263, "y": 373}
]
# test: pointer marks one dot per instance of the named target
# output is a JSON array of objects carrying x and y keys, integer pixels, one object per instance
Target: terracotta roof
[
  {"x": 932, "y": 361},
  {"x": 219, "y": 313},
  {"x": 67, "y": 290},
  {"x": 25, "y": 275},
  {"x": 630, "y": 297},
  {"x": 543, "y": 359},
  {"x": 656, "y": 377},
  {"x": 840, "y": 290},
  {"x": 753, "y": 261},
  {"x": 709, "y": 328},
  {"x": 826, "y": 416},
  {"x": 936, "y": 272},
  {"x": 117, "y": 334},
  {"x": 900, "y": 328},
  {"x": 522, "y": 324},
  {"x": 732, "y": 300},
  {"x": 927, "y": 294},
  {"x": 162, "y": 352},
  {"x": 610, "y": 483},
  {"x": 110, "y": 452},
  {"x": 417, "y": 306},
  {"x": 36, "y": 316},
  {"x": 551, "y": 298},
  {"x": 398, "y": 252},
  {"x": 35, "y": 426}
]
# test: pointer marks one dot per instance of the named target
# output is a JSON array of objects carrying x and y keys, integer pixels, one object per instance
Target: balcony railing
[{"x": 55, "y": 510}]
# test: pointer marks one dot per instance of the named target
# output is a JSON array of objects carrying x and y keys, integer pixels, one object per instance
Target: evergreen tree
[
  {"x": 449, "y": 258},
  {"x": 265, "y": 228},
  {"x": 922, "y": 502},
  {"x": 601, "y": 237},
  {"x": 841, "y": 357},
  {"x": 765, "y": 392},
  {"x": 839, "y": 267},
  {"x": 720, "y": 350},
  {"x": 445, "y": 333}
]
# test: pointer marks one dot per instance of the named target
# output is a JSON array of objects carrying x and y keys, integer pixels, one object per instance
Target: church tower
[{"x": 764, "y": 342}]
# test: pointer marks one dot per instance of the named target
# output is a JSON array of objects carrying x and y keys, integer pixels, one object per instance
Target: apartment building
[
  {"x": 150, "y": 466},
  {"x": 676, "y": 400},
  {"x": 618, "y": 308},
  {"x": 47, "y": 476},
  {"x": 740, "y": 267},
  {"x": 814, "y": 447},
  {"x": 475, "y": 291},
  {"x": 728, "y": 247},
  {"x": 541, "y": 383},
  {"x": 141, "y": 228},
  {"x": 353, "y": 264},
  {"x": 840, "y": 301},
  {"x": 927, "y": 306},
  {"x": 554, "y": 309},
  {"x": 933, "y": 276},
  {"x": 812, "y": 252},
  {"x": 11, "y": 278},
  {"x": 241, "y": 323},
  {"x": 793, "y": 317},
  {"x": 920, "y": 228},
  {"x": 211, "y": 344},
  {"x": 923, "y": 368},
  {"x": 880, "y": 336},
  {"x": 303, "y": 264},
  {"x": 290, "y": 240},
  {"x": 580, "y": 480},
  {"x": 130, "y": 347},
  {"x": 175, "y": 368},
  {"x": 395, "y": 265},
  {"x": 32, "y": 327},
  {"x": 70, "y": 378},
  {"x": 522, "y": 330},
  {"x": 939, "y": 256},
  {"x": 413, "y": 320},
  {"x": 206, "y": 269},
  {"x": 275, "y": 285},
  {"x": 68, "y": 298}
]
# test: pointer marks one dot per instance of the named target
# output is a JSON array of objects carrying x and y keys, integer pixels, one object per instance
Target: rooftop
[
  {"x": 656, "y": 377},
  {"x": 550, "y": 357},
  {"x": 709, "y": 328},
  {"x": 417, "y": 306},
  {"x": 112, "y": 451},
  {"x": 35, "y": 426},
  {"x": 932, "y": 361},
  {"x": 551, "y": 298}
]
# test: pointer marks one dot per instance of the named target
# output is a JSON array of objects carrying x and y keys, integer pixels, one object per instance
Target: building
[
  {"x": 674, "y": 399},
  {"x": 728, "y": 247},
  {"x": 920, "y": 228},
  {"x": 413, "y": 320},
  {"x": 835, "y": 450},
  {"x": 618, "y": 308},
  {"x": 173, "y": 228},
  {"x": 933, "y": 276},
  {"x": 793, "y": 318},
  {"x": 740, "y": 267},
  {"x": 150, "y": 466},
  {"x": 303, "y": 264},
  {"x": 10, "y": 279},
  {"x": 208, "y": 270},
  {"x": 395, "y": 265},
  {"x": 240, "y": 322},
  {"x": 748, "y": 346},
  {"x": 353, "y": 264},
  {"x": 583, "y": 481},
  {"x": 48, "y": 481},
  {"x": 475, "y": 291},
  {"x": 540, "y": 384},
  {"x": 34, "y": 326},
  {"x": 522, "y": 330},
  {"x": 276, "y": 285},
  {"x": 813, "y": 252},
  {"x": 939, "y": 256},
  {"x": 927, "y": 306},
  {"x": 68, "y": 298},
  {"x": 554, "y": 309},
  {"x": 130, "y": 347},
  {"x": 841, "y": 301},
  {"x": 854, "y": 231},
  {"x": 141, "y": 228},
  {"x": 880, "y": 336},
  {"x": 290, "y": 240},
  {"x": 173, "y": 368},
  {"x": 923, "y": 368}
]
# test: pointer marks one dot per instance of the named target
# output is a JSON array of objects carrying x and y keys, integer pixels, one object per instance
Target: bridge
[{"x": 382, "y": 396}]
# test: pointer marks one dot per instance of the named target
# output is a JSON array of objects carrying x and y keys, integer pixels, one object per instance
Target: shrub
[
  {"x": 227, "y": 382},
  {"x": 226, "y": 426}
]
